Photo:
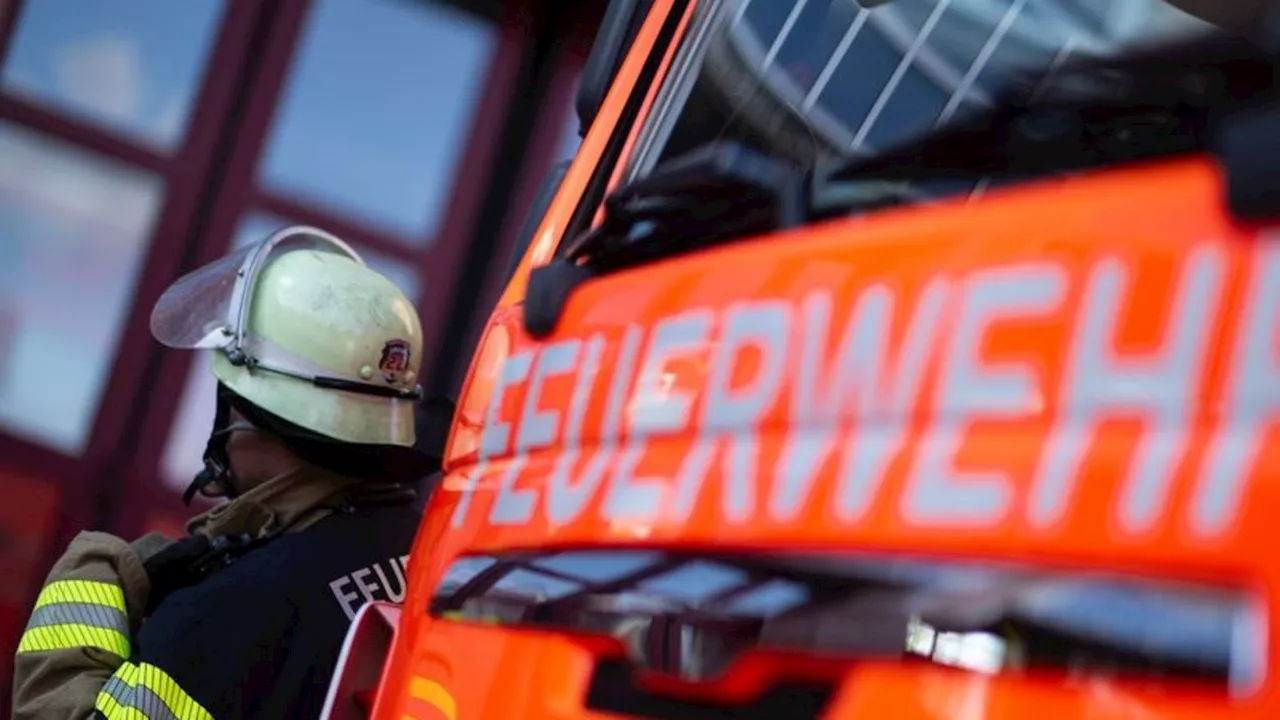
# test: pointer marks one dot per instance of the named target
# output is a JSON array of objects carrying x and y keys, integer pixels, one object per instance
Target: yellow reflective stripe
[
  {"x": 82, "y": 591},
  {"x": 434, "y": 694},
  {"x": 113, "y": 699},
  {"x": 461, "y": 616},
  {"x": 146, "y": 691},
  {"x": 81, "y": 613},
  {"x": 73, "y": 635},
  {"x": 167, "y": 689},
  {"x": 120, "y": 712},
  {"x": 76, "y": 614}
]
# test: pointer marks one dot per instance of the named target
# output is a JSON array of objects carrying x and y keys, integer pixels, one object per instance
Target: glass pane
[
  {"x": 74, "y": 227},
  {"x": 190, "y": 429},
  {"x": 834, "y": 76},
  {"x": 134, "y": 67},
  {"x": 812, "y": 39},
  {"x": 768, "y": 18},
  {"x": 258, "y": 225},
  {"x": 379, "y": 105},
  {"x": 1084, "y": 626},
  {"x": 569, "y": 140}
]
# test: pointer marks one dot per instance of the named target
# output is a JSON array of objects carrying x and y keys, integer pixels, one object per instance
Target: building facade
[{"x": 141, "y": 139}]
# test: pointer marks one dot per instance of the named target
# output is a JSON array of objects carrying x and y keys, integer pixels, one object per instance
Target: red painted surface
[
  {"x": 26, "y": 519},
  {"x": 166, "y": 522}
]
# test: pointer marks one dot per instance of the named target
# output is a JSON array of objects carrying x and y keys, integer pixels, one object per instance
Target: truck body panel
[{"x": 1075, "y": 374}]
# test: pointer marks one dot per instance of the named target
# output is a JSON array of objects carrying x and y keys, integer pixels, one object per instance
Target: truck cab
[{"x": 909, "y": 359}]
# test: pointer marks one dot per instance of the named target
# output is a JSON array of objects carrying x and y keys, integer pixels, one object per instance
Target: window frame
[
  {"x": 182, "y": 173},
  {"x": 116, "y": 482},
  {"x": 674, "y": 86},
  {"x": 686, "y": 66},
  {"x": 241, "y": 194},
  {"x": 960, "y": 85},
  {"x": 636, "y": 110},
  {"x": 82, "y": 483},
  {"x": 557, "y": 109}
]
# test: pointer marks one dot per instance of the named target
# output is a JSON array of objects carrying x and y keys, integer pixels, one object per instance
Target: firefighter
[{"x": 313, "y": 449}]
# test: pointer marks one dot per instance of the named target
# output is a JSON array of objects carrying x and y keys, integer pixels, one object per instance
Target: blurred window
[
  {"x": 830, "y": 77},
  {"x": 184, "y": 448},
  {"x": 165, "y": 521},
  {"x": 695, "y": 582},
  {"x": 378, "y": 110},
  {"x": 134, "y": 67},
  {"x": 74, "y": 228},
  {"x": 258, "y": 225},
  {"x": 591, "y": 567},
  {"x": 568, "y": 142}
]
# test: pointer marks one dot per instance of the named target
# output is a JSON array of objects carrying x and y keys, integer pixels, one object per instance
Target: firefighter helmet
[
  {"x": 301, "y": 328},
  {"x": 307, "y": 342}
]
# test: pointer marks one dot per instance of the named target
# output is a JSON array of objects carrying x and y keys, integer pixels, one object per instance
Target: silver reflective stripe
[
  {"x": 119, "y": 690},
  {"x": 80, "y": 614},
  {"x": 148, "y": 692},
  {"x": 138, "y": 697},
  {"x": 151, "y": 704}
]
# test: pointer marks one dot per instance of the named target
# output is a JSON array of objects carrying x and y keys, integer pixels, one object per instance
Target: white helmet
[{"x": 300, "y": 328}]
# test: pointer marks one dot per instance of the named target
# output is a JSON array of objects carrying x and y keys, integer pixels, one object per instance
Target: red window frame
[
  {"x": 184, "y": 172},
  {"x": 147, "y": 495},
  {"x": 575, "y": 36},
  {"x": 79, "y": 479},
  {"x": 119, "y": 469}
]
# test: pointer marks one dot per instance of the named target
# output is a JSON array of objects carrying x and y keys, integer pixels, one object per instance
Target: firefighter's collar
[{"x": 287, "y": 502}]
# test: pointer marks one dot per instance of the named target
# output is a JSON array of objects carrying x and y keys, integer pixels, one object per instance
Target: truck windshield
[{"x": 808, "y": 79}]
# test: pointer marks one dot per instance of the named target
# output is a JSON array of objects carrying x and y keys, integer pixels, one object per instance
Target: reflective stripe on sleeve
[
  {"x": 114, "y": 697},
  {"x": 75, "y": 614},
  {"x": 80, "y": 614},
  {"x": 82, "y": 591},
  {"x": 146, "y": 691},
  {"x": 63, "y": 637}
]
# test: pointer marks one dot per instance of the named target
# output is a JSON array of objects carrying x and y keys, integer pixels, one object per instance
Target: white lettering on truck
[
  {"x": 860, "y": 405},
  {"x": 1160, "y": 388},
  {"x": 967, "y": 388},
  {"x": 1251, "y": 397}
]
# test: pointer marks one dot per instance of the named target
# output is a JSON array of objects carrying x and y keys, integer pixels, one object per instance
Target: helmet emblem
[{"x": 395, "y": 360}]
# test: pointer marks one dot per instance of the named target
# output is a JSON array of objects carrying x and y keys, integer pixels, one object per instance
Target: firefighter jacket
[{"x": 255, "y": 638}]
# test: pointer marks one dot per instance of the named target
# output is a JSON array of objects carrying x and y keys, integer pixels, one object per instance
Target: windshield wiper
[
  {"x": 1156, "y": 102},
  {"x": 710, "y": 195},
  {"x": 716, "y": 192}
]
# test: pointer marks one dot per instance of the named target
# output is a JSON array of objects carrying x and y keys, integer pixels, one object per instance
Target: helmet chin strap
[{"x": 217, "y": 466}]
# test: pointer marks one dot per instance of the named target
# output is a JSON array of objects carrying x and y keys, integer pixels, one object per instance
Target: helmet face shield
[
  {"x": 212, "y": 307},
  {"x": 209, "y": 307},
  {"x": 195, "y": 311}
]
